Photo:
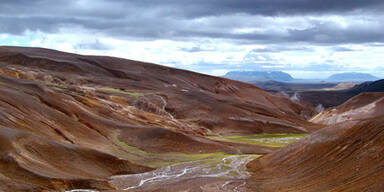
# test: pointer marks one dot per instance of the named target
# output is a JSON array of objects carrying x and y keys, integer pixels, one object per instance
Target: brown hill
[
  {"x": 70, "y": 121},
  {"x": 345, "y": 157},
  {"x": 362, "y": 106},
  {"x": 342, "y": 157},
  {"x": 207, "y": 102}
]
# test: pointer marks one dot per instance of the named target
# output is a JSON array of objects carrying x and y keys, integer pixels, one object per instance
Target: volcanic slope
[
  {"x": 363, "y": 106},
  {"x": 343, "y": 157},
  {"x": 69, "y": 121},
  {"x": 206, "y": 103}
]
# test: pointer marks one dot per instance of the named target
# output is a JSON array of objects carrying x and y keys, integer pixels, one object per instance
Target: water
[{"x": 226, "y": 174}]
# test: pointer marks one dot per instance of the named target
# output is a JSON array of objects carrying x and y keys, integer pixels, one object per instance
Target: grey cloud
[
  {"x": 203, "y": 8},
  {"x": 328, "y": 66},
  {"x": 192, "y": 49},
  {"x": 376, "y": 44},
  {"x": 191, "y": 8},
  {"x": 332, "y": 33},
  {"x": 96, "y": 45},
  {"x": 277, "y": 49},
  {"x": 195, "y": 49},
  {"x": 202, "y": 66},
  {"x": 178, "y": 20},
  {"x": 343, "y": 49}
]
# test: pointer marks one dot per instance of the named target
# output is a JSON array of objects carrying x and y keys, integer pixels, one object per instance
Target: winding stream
[{"x": 226, "y": 174}]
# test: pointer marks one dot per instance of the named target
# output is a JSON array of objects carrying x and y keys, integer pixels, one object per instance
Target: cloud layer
[{"x": 208, "y": 36}]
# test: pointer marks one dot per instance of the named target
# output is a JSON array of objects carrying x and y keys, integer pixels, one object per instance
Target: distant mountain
[
  {"x": 248, "y": 76},
  {"x": 277, "y": 86},
  {"x": 355, "y": 77}
]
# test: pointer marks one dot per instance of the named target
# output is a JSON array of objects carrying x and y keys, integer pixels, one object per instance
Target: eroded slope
[
  {"x": 345, "y": 157},
  {"x": 70, "y": 121},
  {"x": 362, "y": 106},
  {"x": 206, "y": 103}
]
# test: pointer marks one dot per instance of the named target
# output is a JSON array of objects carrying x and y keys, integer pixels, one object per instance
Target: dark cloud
[
  {"x": 328, "y": 66},
  {"x": 196, "y": 19},
  {"x": 203, "y": 8},
  {"x": 189, "y": 8}
]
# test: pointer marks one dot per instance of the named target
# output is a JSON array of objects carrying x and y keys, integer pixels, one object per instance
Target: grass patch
[
  {"x": 270, "y": 140},
  {"x": 57, "y": 88},
  {"x": 113, "y": 90},
  {"x": 155, "y": 160}
]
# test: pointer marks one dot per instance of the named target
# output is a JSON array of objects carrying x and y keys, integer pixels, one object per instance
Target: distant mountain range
[
  {"x": 355, "y": 77},
  {"x": 248, "y": 76},
  {"x": 262, "y": 76}
]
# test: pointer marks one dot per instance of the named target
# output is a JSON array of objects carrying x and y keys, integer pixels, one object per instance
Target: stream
[{"x": 226, "y": 174}]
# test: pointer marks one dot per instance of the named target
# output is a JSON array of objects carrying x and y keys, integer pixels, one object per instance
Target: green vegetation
[
  {"x": 154, "y": 160},
  {"x": 113, "y": 90},
  {"x": 66, "y": 90},
  {"x": 57, "y": 88},
  {"x": 270, "y": 140}
]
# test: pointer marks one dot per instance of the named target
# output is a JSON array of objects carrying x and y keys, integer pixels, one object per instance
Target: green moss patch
[
  {"x": 155, "y": 160},
  {"x": 270, "y": 140},
  {"x": 113, "y": 90}
]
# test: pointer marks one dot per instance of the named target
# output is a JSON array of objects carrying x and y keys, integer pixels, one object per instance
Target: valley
[{"x": 92, "y": 123}]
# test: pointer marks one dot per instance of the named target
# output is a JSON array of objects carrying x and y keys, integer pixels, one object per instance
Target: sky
[{"x": 306, "y": 38}]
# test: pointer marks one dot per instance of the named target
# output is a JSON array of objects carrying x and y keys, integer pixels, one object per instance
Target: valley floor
[{"x": 209, "y": 174}]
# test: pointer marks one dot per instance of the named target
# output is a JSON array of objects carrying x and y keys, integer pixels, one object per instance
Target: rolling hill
[
  {"x": 341, "y": 157},
  {"x": 70, "y": 121},
  {"x": 345, "y": 156}
]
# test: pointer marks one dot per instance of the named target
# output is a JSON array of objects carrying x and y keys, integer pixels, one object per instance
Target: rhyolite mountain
[
  {"x": 363, "y": 106},
  {"x": 71, "y": 121},
  {"x": 352, "y": 77},
  {"x": 345, "y": 156},
  {"x": 248, "y": 76}
]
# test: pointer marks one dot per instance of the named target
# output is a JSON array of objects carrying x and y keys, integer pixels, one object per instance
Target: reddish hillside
[
  {"x": 206, "y": 103},
  {"x": 362, "y": 106},
  {"x": 70, "y": 121},
  {"x": 346, "y": 157}
]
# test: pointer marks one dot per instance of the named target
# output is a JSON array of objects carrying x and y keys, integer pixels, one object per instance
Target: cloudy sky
[{"x": 307, "y": 38}]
